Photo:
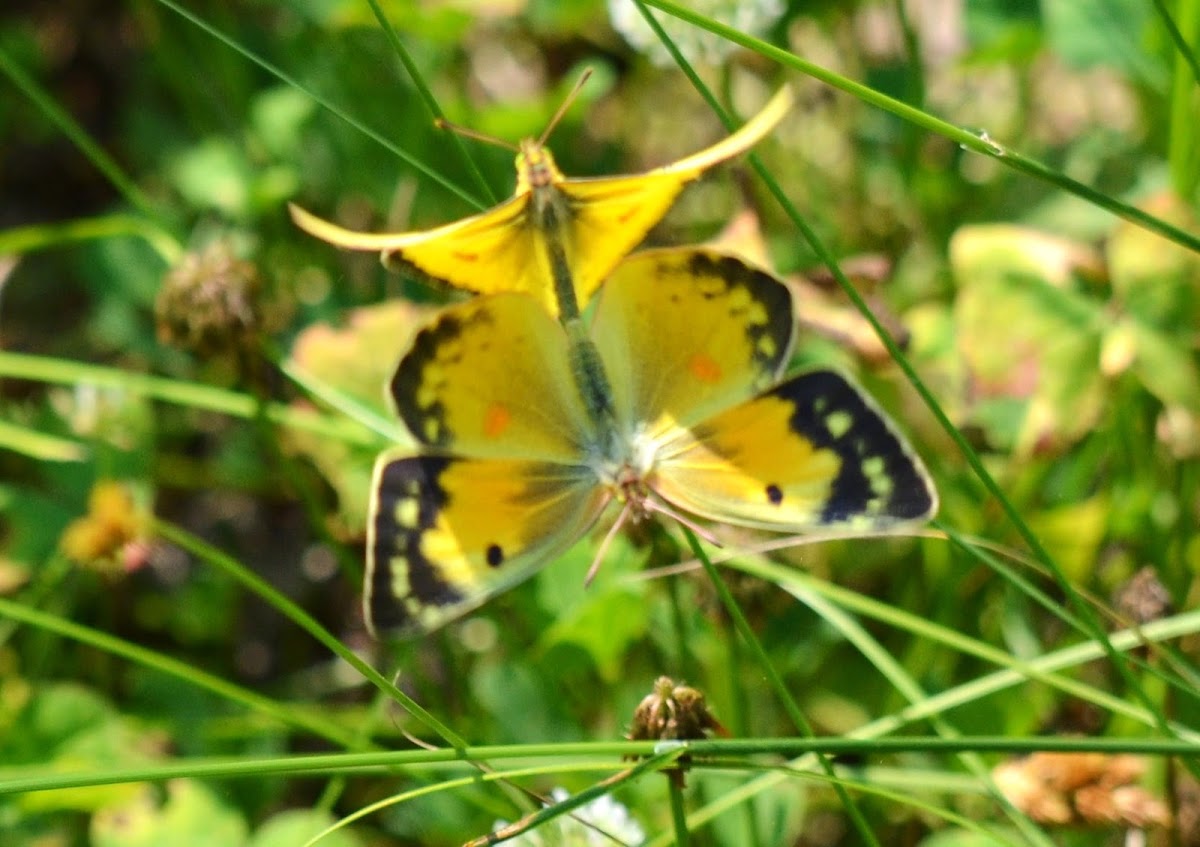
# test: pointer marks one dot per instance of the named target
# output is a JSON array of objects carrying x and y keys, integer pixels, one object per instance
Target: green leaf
[
  {"x": 1027, "y": 333},
  {"x": 1074, "y": 532},
  {"x": 1104, "y": 33},
  {"x": 214, "y": 175},
  {"x": 1152, "y": 278},
  {"x": 604, "y": 618},
  {"x": 604, "y": 623},
  {"x": 1166, "y": 367},
  {"x": 524, "y": 705},
  {"x": 190, "y": 816},
  {"x": 972, "y": 838},
  {"x": 278, "y": 116},
  {"x": 69, "y": 727}
]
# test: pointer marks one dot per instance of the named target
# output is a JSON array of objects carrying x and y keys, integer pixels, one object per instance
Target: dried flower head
[
  {"x": 1089, "y": 789},
  {"x": 1143, "y": 598},
  {"x": 209, "y": 302},
  {"x": 673, "y": 712}
]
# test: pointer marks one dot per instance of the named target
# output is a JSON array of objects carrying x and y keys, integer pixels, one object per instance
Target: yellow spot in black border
[
  {"x": 399, "y": 571},
  {"x": 839, "y": 423},
  {"x": 875, "y": 470},
  {"x": 407, "y": 512}
]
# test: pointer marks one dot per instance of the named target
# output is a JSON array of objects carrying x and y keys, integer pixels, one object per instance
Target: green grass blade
[
  {"x": 431, "y": 103},
  {"x": 306, "y": 622},
  {"x": 27, "y": 239},
  {"x": 1182, "y": 153},
  {"x": 40, "y": 445},
  {"x": 302, "y": 719},
  {"x": 192, "y": 394},
  {"x": 795, "y": 714}
]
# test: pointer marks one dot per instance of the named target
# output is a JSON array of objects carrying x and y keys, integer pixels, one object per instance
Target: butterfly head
[
  {"x": 535, "y": 167},
  {"x": 628, "y": 473},
  {"x": 629, "y": 485}
]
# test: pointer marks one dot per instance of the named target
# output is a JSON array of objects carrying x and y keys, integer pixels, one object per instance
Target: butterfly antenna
[
  {"x": 653, "y": 505},
  {"x": 566, "y": 104},
  {"x": 466, "y": 132},
  {"x": 424, "y": 745},
  {"x": 602, "y": 550}
]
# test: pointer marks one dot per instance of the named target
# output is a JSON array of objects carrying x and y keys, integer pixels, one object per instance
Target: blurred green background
[{"x": 147, "y": 152}]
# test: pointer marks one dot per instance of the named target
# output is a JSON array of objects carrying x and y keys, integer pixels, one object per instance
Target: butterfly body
[
  {"x": 556, "y": 238},
  {"x": 680, "y": 410}
]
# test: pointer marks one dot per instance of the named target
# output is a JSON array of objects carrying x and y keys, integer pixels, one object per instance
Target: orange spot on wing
[
  {"x": 466, "y": 257},
  {"x": 496, "y": 420},
  {"x": 704, "y": 368}
]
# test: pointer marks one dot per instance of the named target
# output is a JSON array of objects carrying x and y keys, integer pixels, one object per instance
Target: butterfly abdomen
[{"x": 550, "y": 216}]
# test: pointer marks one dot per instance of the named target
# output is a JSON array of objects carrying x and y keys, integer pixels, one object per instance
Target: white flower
[
  {"x": 595, "y": 824},
  {"x": 752, "y": 17}
]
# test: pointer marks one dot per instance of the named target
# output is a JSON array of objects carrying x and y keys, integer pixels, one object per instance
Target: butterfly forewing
[
  {"x": 492, "y": 377},
  {"x": 471, "y": 254},
  {"x": 688, "y": 333},
  {"x": 609, "y": 217},
  {"x": 813, "y": 453}
]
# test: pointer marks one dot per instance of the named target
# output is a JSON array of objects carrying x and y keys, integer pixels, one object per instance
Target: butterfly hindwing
[
  {"x": 446, "y": 533},
  {"x": 812, "y": 453},
  {"x": 491, "y": 377},
  {"x": 689, "y": 332}
]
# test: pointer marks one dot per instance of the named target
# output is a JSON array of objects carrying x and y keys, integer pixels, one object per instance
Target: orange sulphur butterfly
[
  {"x": 556, "y": 238},
  {"x": 668, "y": 400}
]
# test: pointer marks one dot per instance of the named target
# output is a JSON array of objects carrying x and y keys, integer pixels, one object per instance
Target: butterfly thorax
[{"x": 625, "y": 464}]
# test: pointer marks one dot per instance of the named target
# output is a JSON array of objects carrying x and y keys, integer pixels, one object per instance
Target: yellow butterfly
[
  {"x": 556, "y": 238},
  {"x": 667, "y": 402}
]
